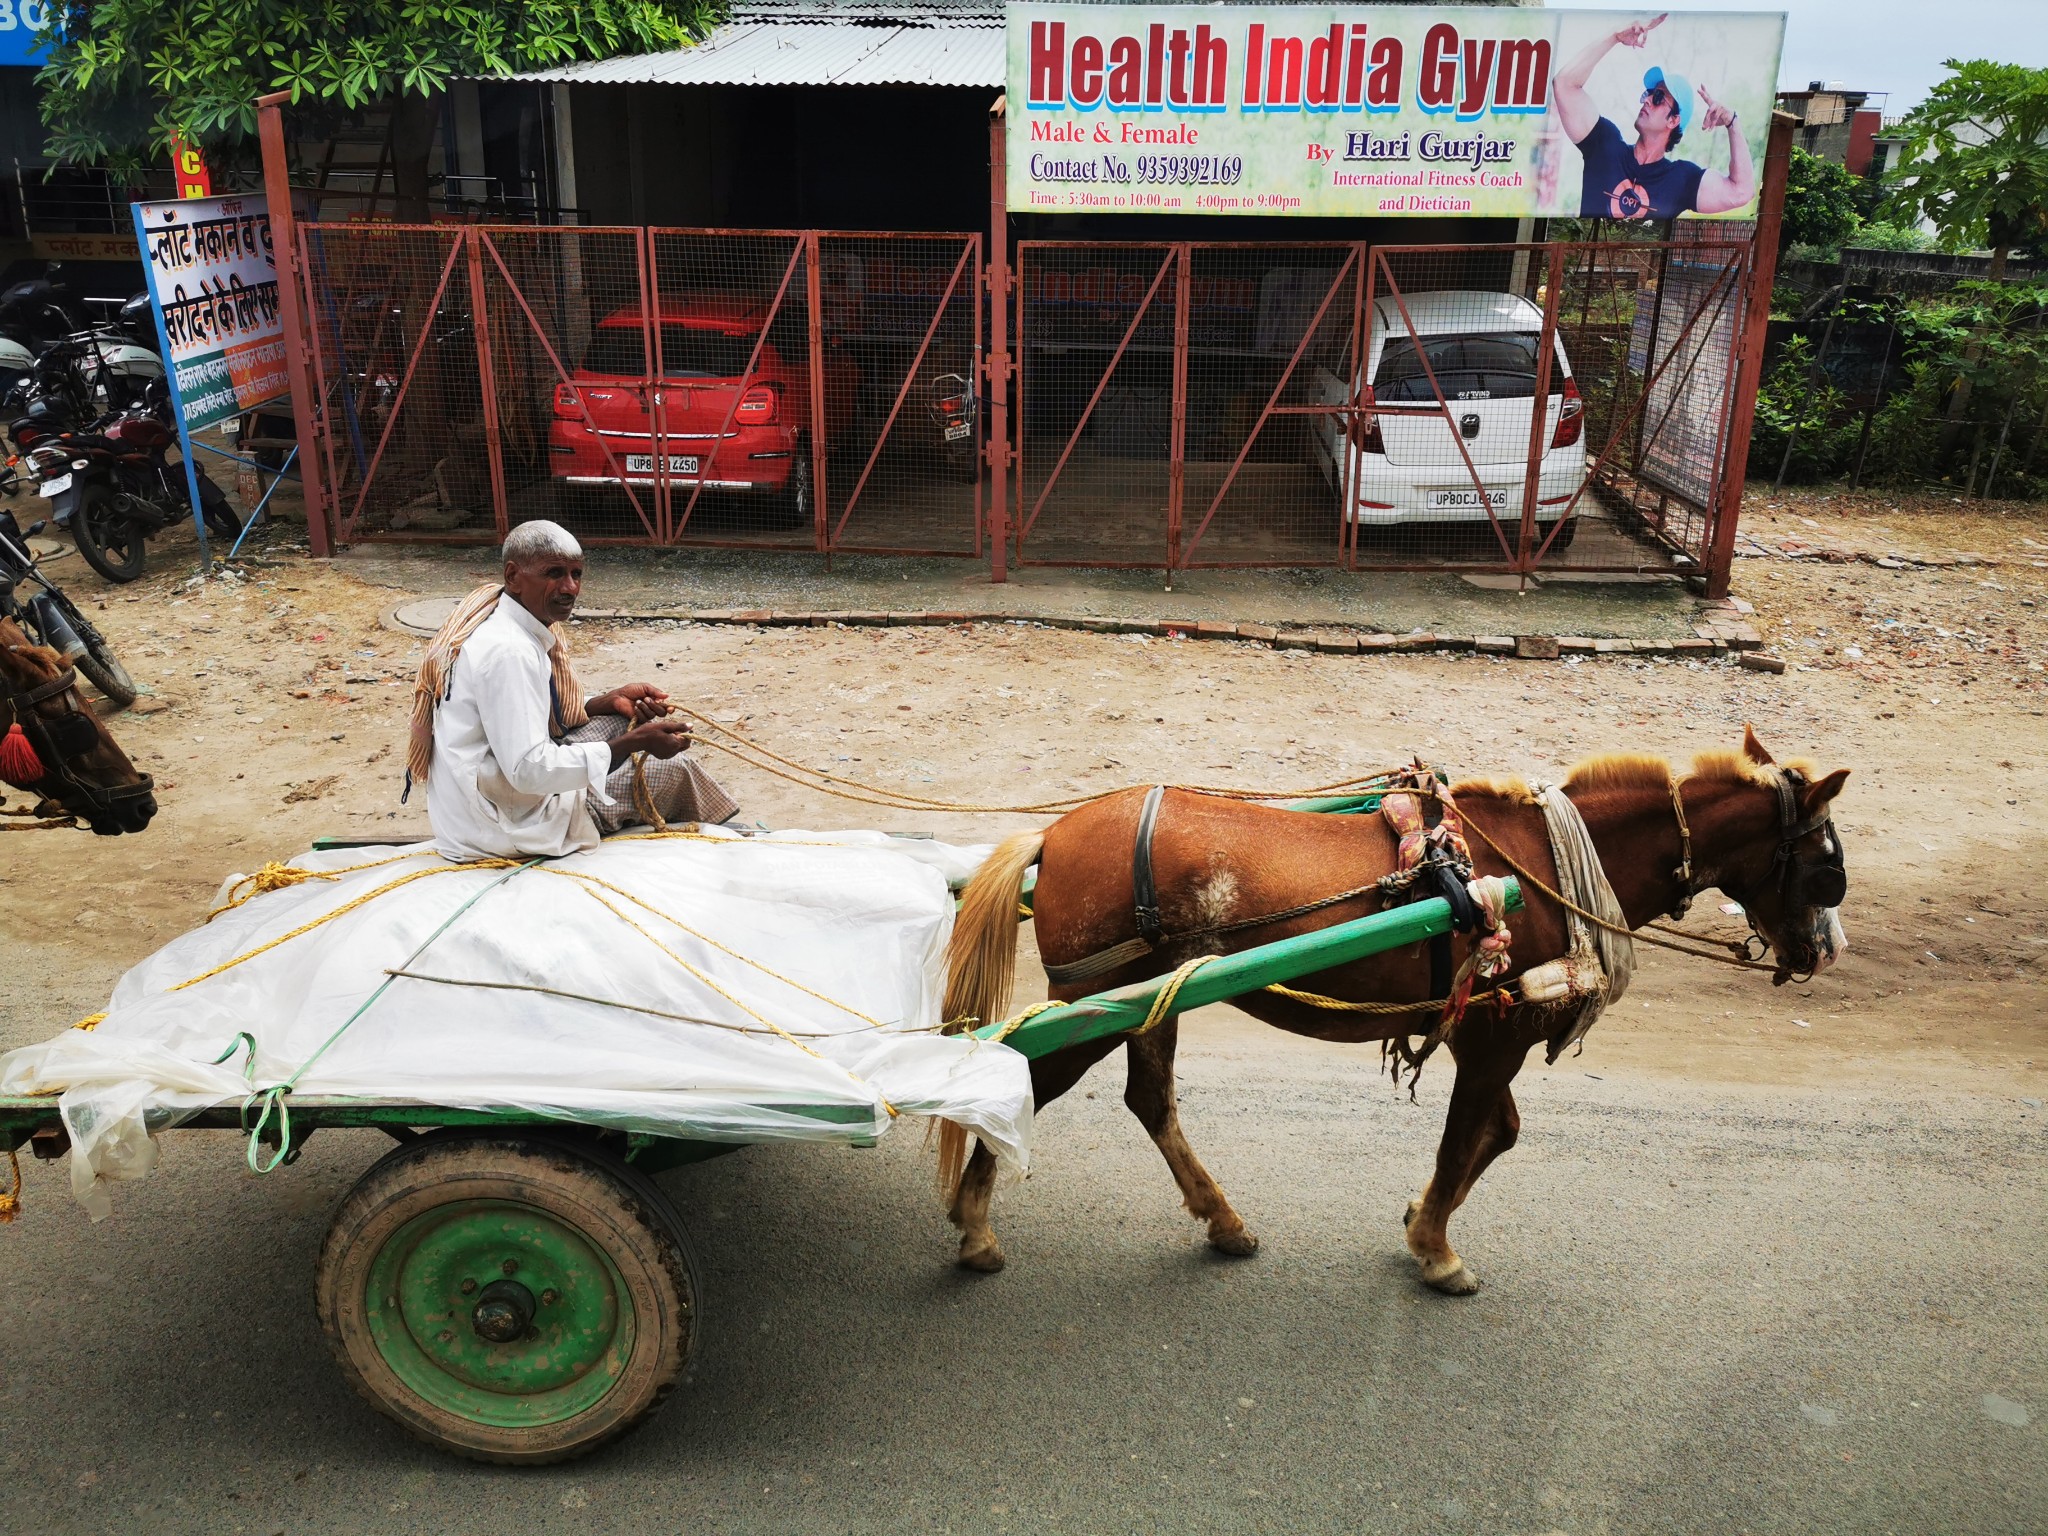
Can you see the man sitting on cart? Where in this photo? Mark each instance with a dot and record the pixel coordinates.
(517, 763)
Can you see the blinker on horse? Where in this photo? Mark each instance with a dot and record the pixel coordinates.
(1225, 875)
(63, 753)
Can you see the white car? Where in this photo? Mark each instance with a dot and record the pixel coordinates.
(1406, 466)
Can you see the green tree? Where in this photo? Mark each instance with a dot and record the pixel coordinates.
(1975, 162)
(1820, 203)
(124, 75)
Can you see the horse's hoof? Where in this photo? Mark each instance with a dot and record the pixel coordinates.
(985, 1260)
(1239, 1244)
(1456, 1280)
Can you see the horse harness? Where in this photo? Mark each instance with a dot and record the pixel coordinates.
(1434, 856)
(56, 742)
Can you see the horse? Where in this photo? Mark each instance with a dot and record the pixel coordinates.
(64, 754)
(1229, 874)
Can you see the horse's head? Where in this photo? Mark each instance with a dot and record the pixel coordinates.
(1777, 852)
(71, 759)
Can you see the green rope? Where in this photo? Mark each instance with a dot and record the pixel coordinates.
(273, 1098)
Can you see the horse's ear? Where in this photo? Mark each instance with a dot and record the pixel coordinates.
(1822, 791)
(1752, 748)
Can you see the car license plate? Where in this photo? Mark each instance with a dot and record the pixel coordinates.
(643, 464)
(958, 429)
(55, 487)
(1468, 498)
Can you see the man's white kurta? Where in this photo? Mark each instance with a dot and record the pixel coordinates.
(501, 786)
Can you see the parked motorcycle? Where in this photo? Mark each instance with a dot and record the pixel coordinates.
(112, 483)
(955, 410)
(113, 363)
(51, 618)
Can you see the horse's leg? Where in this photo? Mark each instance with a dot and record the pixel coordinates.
(1051, 1076)
(1482, 1124)
(1149, 1093)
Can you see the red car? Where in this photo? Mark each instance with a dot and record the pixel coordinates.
(705, 345)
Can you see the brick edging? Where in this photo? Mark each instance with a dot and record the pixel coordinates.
(1715, 635)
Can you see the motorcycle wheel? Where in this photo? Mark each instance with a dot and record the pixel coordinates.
(99, 664)
(219, 513)
(112, 544)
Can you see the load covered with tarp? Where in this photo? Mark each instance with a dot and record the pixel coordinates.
(698, 985)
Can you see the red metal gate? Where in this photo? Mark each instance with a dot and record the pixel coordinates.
(764, 389)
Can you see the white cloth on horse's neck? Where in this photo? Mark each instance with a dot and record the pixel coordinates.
(1606, 959)
(502, 786)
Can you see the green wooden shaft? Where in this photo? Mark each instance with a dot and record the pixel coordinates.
(1115, 1013)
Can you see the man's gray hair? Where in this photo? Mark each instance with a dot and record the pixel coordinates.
(540, 540)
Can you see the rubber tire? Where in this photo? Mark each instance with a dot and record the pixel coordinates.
(218, 511)
(99, 664)
(1565, 535)
(796, 500)
(614, 1205)
(85, 523)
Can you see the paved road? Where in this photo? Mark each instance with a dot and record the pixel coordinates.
(1705, 1310)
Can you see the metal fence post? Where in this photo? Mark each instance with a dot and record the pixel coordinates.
(486, 378)
(820, 425)
(1177, 439)
(1763, 271)
(999, 347)
(284, 247)
(1540, 426)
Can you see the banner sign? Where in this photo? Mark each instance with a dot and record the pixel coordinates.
(213, 280)
(1388, 110)
(188, 169)
(20, 21)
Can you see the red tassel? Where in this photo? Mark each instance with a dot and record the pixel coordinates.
(19, 764)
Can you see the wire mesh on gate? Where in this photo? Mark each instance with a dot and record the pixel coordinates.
(1526, 408)
(565, 345)
(1268, 363)
(1100, 338)
(900, 322)
(392, 316)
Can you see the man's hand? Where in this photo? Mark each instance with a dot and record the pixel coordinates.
(1636, 33)
(657, 738)
(1717, 116)
(638, 702)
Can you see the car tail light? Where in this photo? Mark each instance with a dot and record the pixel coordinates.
(757, 406)
(1365, 430)
(568, 405)
(1571, 417)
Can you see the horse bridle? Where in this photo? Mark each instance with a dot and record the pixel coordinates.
(1803, 879)
(56, 742)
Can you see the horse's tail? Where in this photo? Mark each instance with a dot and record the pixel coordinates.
(981, 964)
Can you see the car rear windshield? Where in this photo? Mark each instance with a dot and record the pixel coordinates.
(1483, 365)
(686, 353)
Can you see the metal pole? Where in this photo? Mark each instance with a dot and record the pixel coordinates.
(1827, 338)
(1540, 426)
(284, 245)
(487, 379)
(1763, 270)
(999, 347)
(814, 321)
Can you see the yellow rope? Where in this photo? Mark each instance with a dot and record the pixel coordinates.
(1341, 1005)
(345, 907)
(10, 1203)
(1011, 1026)
(90, 1022)
(747, 750)
(705, 938)
(715, 987)
(277, 877)
(1162, 1005)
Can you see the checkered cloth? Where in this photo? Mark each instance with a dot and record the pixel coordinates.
(680, 790)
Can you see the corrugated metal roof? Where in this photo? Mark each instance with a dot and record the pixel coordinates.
(812, 52)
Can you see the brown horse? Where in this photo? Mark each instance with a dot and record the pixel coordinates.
(78, 768)
(1738, 822)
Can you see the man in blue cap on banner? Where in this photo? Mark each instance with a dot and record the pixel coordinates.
(1643, 181)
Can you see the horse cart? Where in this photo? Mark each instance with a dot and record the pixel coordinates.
(518, 1289)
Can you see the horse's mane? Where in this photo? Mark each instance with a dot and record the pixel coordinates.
(1633, 770)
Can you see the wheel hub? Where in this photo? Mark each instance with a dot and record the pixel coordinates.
(503, 1312)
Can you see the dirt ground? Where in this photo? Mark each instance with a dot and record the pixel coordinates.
(276, 708)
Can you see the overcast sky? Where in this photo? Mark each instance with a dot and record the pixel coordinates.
(1886, 45)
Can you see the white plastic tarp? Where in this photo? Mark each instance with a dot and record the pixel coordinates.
(784, 987)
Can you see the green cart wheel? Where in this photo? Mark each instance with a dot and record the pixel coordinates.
(514, 1299)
